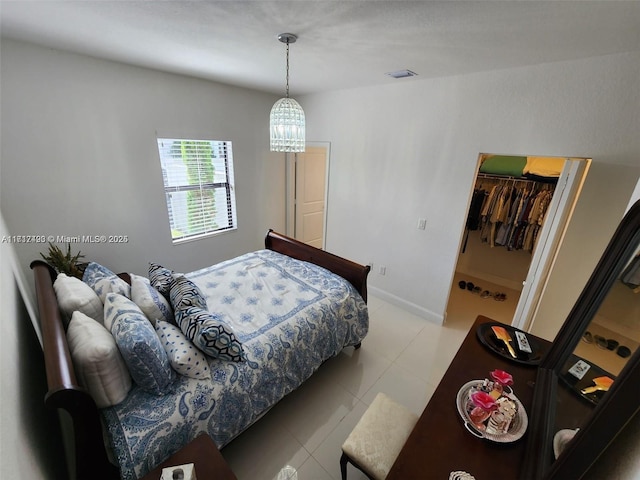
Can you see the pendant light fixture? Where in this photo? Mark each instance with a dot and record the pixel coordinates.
(287, 125)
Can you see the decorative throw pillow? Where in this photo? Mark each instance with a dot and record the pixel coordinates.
(185, 359)
(104, 281)
(151, 302)
(184, 294)
(160, 278)
(116, 305)
(98, 363)
(141, 349)
(210, 335)
(73, 294)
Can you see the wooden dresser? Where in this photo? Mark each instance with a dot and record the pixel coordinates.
(440, 444)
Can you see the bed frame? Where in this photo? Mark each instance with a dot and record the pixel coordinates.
(64, 392)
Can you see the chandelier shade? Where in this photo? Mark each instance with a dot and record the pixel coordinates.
(286, 121)
(287, 126)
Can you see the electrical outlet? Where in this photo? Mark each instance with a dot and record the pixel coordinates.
(382, 270)
(422, 223)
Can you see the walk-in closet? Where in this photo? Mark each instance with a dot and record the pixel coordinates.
(510, 202)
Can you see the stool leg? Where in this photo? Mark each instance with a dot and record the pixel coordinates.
(343, 466)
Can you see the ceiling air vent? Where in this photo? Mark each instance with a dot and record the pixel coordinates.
(402, 74)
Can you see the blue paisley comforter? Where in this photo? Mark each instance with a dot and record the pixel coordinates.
(290, 315)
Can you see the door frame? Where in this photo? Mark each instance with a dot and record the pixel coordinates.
(550, 238)
(572, 178)
(290, 190)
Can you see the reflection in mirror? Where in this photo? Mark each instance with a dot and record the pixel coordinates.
(611, 338)
(614, 333)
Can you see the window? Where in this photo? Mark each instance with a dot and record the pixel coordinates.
(198, 183)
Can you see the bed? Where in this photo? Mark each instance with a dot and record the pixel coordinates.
(281, 349)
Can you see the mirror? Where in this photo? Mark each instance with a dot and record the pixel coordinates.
(611, 338)
(589, 347)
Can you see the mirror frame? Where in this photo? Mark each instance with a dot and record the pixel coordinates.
(622, 400)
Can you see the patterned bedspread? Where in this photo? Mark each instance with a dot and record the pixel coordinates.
(290, 315)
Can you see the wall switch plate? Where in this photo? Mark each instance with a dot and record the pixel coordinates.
(422, 223)
(382, 270)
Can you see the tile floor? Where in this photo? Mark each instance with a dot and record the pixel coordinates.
(403, 355)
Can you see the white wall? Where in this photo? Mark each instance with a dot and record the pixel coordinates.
(409, 150)
(79, 156)
(635, 196)
(26, 427)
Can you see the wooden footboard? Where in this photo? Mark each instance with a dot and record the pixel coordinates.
(64, 392)
(355, 273)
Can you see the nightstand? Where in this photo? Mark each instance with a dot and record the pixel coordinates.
(207, 459)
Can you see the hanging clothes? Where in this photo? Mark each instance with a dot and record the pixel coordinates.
(512, 212)
(473, 217)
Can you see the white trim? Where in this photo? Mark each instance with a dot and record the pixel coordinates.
(422, 312)
(549, 240)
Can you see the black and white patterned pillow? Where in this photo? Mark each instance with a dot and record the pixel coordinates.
(212, 336)
(160, 278)
(184, 293)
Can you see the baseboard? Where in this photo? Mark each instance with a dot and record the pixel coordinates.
(422, 312)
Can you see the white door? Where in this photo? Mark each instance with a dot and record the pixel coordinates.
(558, 214)
(309, 199)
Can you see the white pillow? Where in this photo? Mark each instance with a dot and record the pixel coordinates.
(99, 365)
(184, 357)
(73, 294)
(151, 302)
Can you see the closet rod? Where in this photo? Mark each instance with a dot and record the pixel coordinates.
(494, 176)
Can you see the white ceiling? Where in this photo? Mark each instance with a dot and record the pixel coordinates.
(341, 44)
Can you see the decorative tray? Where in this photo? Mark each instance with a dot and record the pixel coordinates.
(518, 425)
(488, 338)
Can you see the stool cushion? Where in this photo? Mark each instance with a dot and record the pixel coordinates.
(376, 441)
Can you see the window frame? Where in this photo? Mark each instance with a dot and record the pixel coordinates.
(167, 156)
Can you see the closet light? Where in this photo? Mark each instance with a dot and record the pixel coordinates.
(287, 122)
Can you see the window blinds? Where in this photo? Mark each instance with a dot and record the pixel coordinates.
(198, 183)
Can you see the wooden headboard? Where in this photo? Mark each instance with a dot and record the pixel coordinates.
(64, 392)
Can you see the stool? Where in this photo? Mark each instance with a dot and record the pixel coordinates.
(376, 441)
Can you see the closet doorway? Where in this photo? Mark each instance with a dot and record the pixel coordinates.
(516, 221)
(307, 189)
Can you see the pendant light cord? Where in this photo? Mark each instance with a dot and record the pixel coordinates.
(287, 68)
